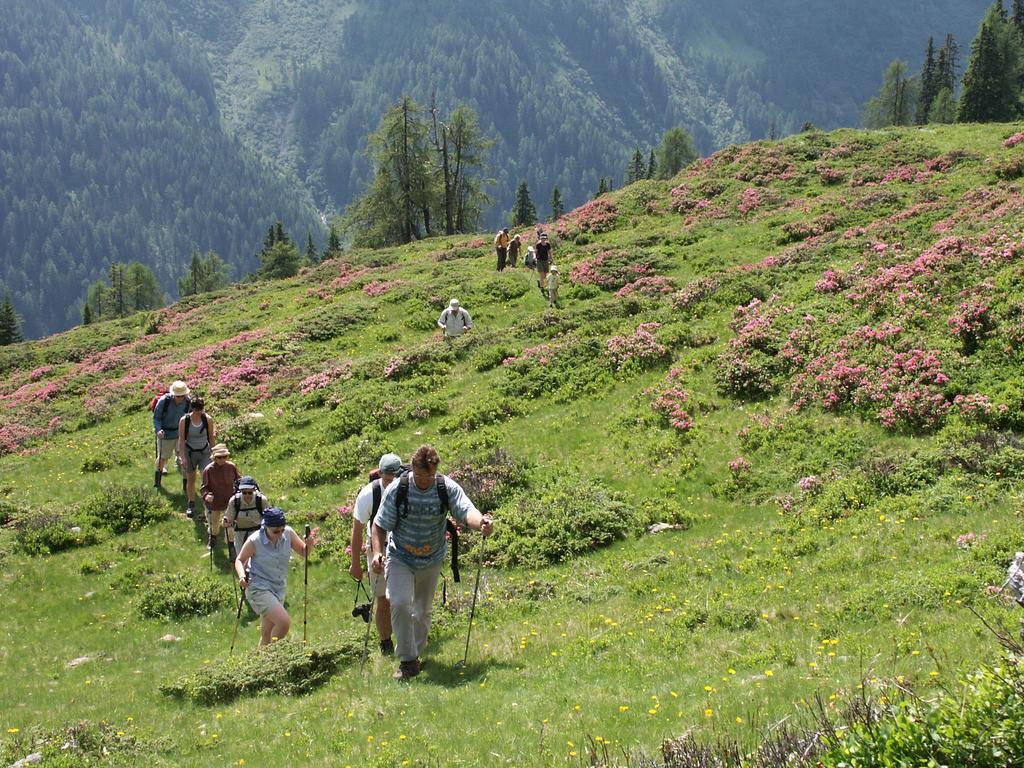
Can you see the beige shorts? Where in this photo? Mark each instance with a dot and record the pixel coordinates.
(378, 584)
(262, 600)
(166, 448)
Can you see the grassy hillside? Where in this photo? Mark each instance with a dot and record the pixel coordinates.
(803, 355)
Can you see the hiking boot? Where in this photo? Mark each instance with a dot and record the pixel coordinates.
(156, 479)
(407, 670)
(387, 647)
(191, 510)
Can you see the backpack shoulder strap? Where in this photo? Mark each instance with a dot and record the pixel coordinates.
(402, 495)
(442, 493)
(206, 424)
(238, 504)
(259, 502)
(378, 492)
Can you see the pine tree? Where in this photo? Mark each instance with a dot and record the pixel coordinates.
(895, 102)
(980, 99)
(652, 166)
(943, 109)
(524, 212)
(946, 64)
(86, 315)
(1000, 10)
(675, 152)
(601, 187)
(333, 243)
(929, 85)
(204, 274)
(311, 255)
(283, 260)
(10, 323)
(557, 206)
(1018, 15)
(635, 170)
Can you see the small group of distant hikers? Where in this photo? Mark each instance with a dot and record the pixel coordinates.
(400, 522)
(538, 256)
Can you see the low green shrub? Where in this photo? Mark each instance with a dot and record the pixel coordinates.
(492, 356)
(123, 508)
(491, 480)
(95, 464)
(661, 510)
(568, 518)
(83, 744)
(9, 512)
(183, 595)
(494, 411)
(329, 322)
(342, 461)
(976, 724)
(287, 668)
(45, 532)
(249, 430)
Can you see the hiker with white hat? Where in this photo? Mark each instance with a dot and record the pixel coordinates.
(501, 241)
(218, 484)
(367, 504)
(454, 320)
(553, 286)
(167, 414)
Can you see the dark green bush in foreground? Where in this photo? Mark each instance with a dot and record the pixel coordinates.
(286, 667)
(45, 532)
(123, 508)
(83, 744)
(182, 595)
(560, 522)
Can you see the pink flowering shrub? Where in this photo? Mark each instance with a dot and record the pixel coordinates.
(326, 378)
(829, 175)
(801, 230)
(654, 286)
(970, 323)
(809, 485)
(969, 539)
(672, 402)
(755, 198)
(611, 270)
(902, 389)
(594, 217)
(739, 467)
(639, 350)
(1014, 140)
(761, 164)
(380, 287)
(751, 362)
(832, 281)
(695, 292)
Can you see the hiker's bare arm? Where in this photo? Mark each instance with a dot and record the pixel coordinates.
(480, 522)
(242, 561)
(379, 539)
(355, 569)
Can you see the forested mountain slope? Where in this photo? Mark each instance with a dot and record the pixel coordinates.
(112, 149)
(568, 88)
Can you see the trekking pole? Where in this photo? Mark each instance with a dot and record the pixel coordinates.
(211, 541)
(366, 637)
(238, 620)
(231, 560)
(305, 585)
(472, 607)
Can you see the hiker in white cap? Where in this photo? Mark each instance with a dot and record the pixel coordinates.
(367, 504)
(167, 414)
(553, 286)
(454, 320)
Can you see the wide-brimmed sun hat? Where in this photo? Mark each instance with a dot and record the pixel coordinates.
(219, 450)
(179, 389)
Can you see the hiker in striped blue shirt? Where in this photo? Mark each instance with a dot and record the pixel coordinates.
(409, 546)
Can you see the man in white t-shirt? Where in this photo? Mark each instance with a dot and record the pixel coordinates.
(367, 503)
(454, 320)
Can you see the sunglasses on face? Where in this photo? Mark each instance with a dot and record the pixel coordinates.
(275, 530)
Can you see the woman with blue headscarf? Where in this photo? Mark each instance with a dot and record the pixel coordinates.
(262, 568)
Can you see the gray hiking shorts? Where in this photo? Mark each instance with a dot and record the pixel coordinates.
(262, 600)
(196, 460)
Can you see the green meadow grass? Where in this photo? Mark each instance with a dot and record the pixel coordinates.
(745, 617)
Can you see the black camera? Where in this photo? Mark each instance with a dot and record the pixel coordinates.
(362, 610)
